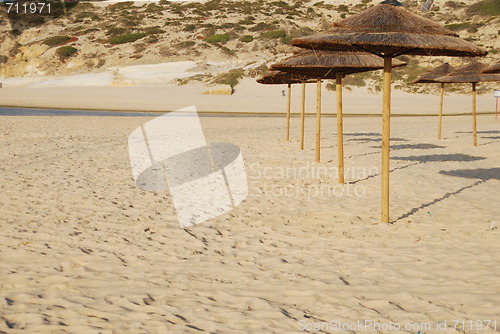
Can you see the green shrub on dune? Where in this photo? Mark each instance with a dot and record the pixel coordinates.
(485, 8)
(217, 38)
(153, 30)
(458, 26)
(114, 31)
(56, 40)
(66, 51)
(126, 38)
(274, 34)
(185, 44)
(343, 8)
(246, 38)
(121, 5)
(471, 27)
(231, 78)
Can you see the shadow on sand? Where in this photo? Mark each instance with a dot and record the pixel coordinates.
(481, 175)
(489, 132)
(368, 139)
(440, 158)
(494, 140)
(422, 159)
(412, 147)
(362, 134)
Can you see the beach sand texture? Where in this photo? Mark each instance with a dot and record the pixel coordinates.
(83, 250)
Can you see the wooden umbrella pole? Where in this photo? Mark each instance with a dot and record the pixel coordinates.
(340, 131)
(386, 137)
(496, 110)
(303, 116)
(474, 124)
(318, 120)
(288, 112)
(441, 112)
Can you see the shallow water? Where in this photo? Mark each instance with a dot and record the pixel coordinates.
(65, 112)
(7, 111)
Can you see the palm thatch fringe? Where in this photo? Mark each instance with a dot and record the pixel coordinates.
(281, 78)
(431, 75)
(390, 30)
(495, 68)
(326, 64)
(470, 73)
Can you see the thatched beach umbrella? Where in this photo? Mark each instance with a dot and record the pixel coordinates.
(332, 65)
(495, 68)
(471, 73)
(429, 77)
(281, 78)
(389, 30)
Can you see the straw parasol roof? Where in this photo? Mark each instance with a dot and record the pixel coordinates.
(470, 73)
(495, 68)
(431, 75)
(331, 65)
(281, 78)
(391, 30)
(326, 64)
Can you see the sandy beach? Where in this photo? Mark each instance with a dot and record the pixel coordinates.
(83, 250)
(104, 202)
(249, 97)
